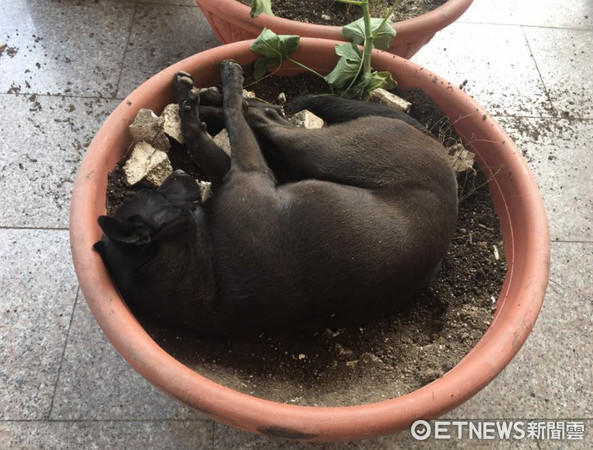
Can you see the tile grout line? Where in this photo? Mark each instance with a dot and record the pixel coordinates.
(216, 424)
(37, 94)
(51, 406)
(32, 228)
(538, 71)
(55, 421)
(546, 117)
(570, 241)
(154, 2)
(549, 27)
(123, 61)
(166, 4)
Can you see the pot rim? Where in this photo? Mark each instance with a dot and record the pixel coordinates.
(523, 222)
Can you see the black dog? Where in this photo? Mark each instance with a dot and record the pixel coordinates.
(361, 219)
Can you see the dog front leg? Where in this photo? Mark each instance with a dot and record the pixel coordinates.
(201, 148)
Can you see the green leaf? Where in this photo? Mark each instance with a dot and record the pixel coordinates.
(354, 31)
(347, 68)
(274, 49)
(383, 34)
(260, 68)
(261, 6)
(359, 89)
(381, 79)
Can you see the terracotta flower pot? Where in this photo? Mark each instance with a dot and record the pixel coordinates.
(518, 204)
(231, 22)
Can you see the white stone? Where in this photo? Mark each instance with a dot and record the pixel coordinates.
(160, 173)
(222, 140)
(326, 17)
(248, 94)
(387, 98)
(306, 119)
(205, 190)
(459, 158)
(282, 98)
(145, 161)
(147, 126)
(172, 122)
(346, 352)
(372, 360)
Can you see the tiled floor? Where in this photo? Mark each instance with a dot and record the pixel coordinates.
(68, 63)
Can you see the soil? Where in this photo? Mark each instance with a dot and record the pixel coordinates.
(330, 12)
(380, 360)
(118, 191)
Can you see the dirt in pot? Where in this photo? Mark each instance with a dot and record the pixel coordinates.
(384, 359)
(330, 12)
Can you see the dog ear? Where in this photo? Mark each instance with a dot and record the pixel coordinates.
(129, 232)
(100, 248)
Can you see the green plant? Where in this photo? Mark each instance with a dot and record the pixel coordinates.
(353, 76)
(261, 6)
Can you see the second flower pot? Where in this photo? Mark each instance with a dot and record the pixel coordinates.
(231, 22)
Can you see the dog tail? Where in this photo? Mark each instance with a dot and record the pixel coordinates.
(338, 110)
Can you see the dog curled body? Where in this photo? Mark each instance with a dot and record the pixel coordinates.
(305, 229)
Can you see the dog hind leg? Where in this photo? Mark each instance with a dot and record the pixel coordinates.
(338, 110)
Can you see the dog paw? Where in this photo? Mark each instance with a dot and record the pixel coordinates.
(232, 85)
(184, 79)
(209, 97)
(230, 70)
(184, 84)
(192, 127)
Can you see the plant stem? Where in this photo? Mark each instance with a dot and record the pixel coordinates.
(389, 13)
(368, 38)
(365, 60)
(351, 2)
(305, 67)
(354, 79)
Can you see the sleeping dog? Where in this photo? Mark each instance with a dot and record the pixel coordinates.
(305, 229)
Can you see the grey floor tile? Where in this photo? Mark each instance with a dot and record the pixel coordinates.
(161, 36)
(162, 434)
(63, 48)
(38, 288)
(494, 65)
(558, 152)
(81, 48)
(548, 13)
(43, 141)
(96, 382)
(551, 376)
(171, 2)
(565, 59)
(569, 298)
(231, 439)
(155, 2)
